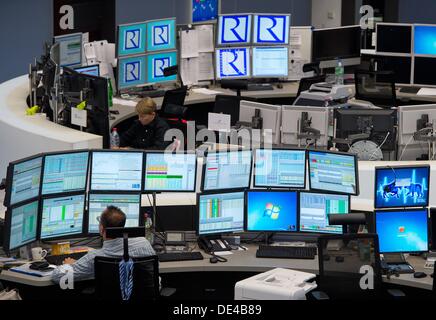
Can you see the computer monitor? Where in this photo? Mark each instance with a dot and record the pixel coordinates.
(62, 217)
(423, 71)
(116, 171)
(401, 66)
(271, 211)
(132, 39)
(270, 62)
(424, 40)
(21, 225)
(130, 204)
(280, 168)
(157, 63)
(315, 209)
(161, 34)
(93, 70)
(205, 10)
(227, 170)
(402, 186)
(220, 213)
(65, 172)
(234, 29)
(132, 72)
(23, 180)
(394, 38)
(70, 49)
(233, 63)
(333, 172)
(170, 172)
(402, 231)
(331, 44)
(271, 28)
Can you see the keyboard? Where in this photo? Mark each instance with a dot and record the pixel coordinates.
(179, 256)
(259, 86)
(151, 93)
(59, 259)
(411, 90)
(286, 252)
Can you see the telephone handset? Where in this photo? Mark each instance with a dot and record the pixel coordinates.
(213, 245)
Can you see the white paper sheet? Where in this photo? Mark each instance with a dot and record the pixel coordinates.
(206, 91)
(218, 122)
(427, 92)
(205, 38)
(189, 71)
(206, 66)
(79, 117)
(189, 44)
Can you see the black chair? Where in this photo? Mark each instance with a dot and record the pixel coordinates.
(305, 83)
(173, 103)
(377, 87)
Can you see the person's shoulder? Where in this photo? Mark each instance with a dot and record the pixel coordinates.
(161, 122)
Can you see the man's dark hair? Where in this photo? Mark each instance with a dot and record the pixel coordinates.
(113, 217)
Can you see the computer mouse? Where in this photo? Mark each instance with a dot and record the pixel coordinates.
(419, 275)
(339, 259)
(213, 260)
(279, 86)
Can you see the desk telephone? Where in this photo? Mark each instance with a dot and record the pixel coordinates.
(213, 245)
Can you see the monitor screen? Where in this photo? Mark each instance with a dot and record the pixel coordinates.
(132, 72)
(270, 62)
(170, 172)
(65, 172)
(205, 10)
(161, 35)
(234, 29)
(394, 38)
(70, 46)
(131, 39)
(273, 211)
(62, 216)
(23, 225)
(271, 28)
(221, 213)
(130, 204)
(402, 231)
(116, 171)
(280, 168)
(424, 71)
(89, 70)
(402, 67)
(227, 170)
(233, 63)
(157, 63)
(26, 180)
(315, 209)
(401, 187)
(335, 172)
(425, 40)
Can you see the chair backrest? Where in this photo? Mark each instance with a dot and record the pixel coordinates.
(342, 258)
(172, 98)
(227, 104)
(145, 278)
(377, 87)
(305, 83)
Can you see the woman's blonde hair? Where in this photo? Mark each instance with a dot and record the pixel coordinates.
(146, 106)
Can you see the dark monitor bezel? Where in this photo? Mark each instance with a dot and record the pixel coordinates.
(77, 69)
(185, 152)
(297, 215)
(356, 171)
(279, 187)
(401, 167)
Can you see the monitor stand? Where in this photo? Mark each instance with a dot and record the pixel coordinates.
(396, 263)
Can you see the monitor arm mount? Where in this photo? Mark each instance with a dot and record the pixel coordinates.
(305, 131)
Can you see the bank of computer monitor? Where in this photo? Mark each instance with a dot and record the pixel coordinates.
(270, 62)
(424, 40)
(333, 172)
(394, 38)
(62, 216)
(21, 225)
(233, 63)
(271, 211)
(93, 70)
(116, 171)
(170, 172)
(70, 49)
(132, 39)
(205, 10)
(271, 29)
(401, 66)
(424, 71)
(315, 208)
(156, 65)
(161, 34)
(280, 168)
(227, 170)
(130, 204)
(402, 231)
(220, 212)
(65, 172)
(132, 72)
(23, 180)
(402, 186)
(234, 29)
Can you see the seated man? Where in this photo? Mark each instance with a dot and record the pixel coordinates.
(148, 131)
(83, 268)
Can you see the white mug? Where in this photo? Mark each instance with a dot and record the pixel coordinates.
(38, 253)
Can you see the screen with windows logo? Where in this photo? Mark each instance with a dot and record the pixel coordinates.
(157, 63)
(161, 35)
(131, 39)
(233, 63)
(132, 72)
(271, 29)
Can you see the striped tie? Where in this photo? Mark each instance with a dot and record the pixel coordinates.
(126, 278)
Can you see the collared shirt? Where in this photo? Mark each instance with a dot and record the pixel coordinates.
(84, 267)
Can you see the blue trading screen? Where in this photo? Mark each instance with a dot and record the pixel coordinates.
(425, 40)
(234, 29)
(161, 35)
(157, 63)
(23, 225)
(402, 230)
(132, 39)
(280, 168)
(271, 211)
(26, 180)
(233, 63)
(204, 10)
(402, 187)
(333, 172)
(271, 29)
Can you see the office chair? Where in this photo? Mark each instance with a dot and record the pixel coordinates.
(377, 87)
(173, 103)
(305, 83)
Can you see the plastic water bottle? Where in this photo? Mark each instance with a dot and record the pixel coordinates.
(339, 73)
(148, 228)
(110, 92)
(115, 138)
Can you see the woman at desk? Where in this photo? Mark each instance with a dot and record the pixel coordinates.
(148, 131)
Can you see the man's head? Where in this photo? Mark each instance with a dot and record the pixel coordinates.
(112, 217)
(146, 110)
